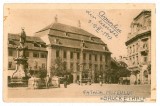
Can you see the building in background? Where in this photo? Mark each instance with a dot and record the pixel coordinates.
(139, 48)
(36, 53)
(123, 59)
(79, 49)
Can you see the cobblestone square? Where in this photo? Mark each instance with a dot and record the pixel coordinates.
(81, 91)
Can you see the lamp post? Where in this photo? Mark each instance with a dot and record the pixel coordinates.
(81, 61)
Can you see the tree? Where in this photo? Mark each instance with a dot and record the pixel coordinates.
(59, 68)
(39, 73)
(114, 74)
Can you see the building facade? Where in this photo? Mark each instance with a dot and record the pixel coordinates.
(36, 53)
(139, 48)
(79, 49)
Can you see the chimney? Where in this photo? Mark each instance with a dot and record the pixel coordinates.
(56, 19)
(79, 23)
(120, 57)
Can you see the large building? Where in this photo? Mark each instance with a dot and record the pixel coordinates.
(139, 48)
(36, 53)
(79, 49)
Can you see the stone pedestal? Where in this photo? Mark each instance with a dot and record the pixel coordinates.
(20, 71)
(19, 76)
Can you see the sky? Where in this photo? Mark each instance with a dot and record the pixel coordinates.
(35, 19)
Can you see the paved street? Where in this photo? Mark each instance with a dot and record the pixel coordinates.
(78, 91)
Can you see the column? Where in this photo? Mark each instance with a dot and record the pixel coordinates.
(98, 62)
(103, 66)
(68, 59)
(93, 68)
(81, 65)
(49, 59)
(87, 60)
(74, 67)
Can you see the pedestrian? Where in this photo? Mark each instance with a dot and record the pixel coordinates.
(47, 81)
(65, 81)
(100, 80)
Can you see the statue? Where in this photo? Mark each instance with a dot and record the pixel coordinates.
(20, 73)
(23, 36)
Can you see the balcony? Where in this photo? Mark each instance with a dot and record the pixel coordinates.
(140, 31)
(144, 51)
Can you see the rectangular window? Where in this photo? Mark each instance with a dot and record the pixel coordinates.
(133, 49)
(95, 57)
(90, 56)
(137, 47)
(137, 60)
(90, 66)
(65, 65)
(145, 59)
(130, 61)
(78, 67)
(96, 67)
(9, 64)
(71, 66)
(43, 65)
(106, 66)
(100, 57)
(11, 42)
(71, 55)
(43, 55)
(78, 56)
(84, 56)
(101, 67)
(84, 66)
(105, 58)
(35, 54)
(133, 61)
(10, 52)
(64, 54)
(26, 54)
(57, 53)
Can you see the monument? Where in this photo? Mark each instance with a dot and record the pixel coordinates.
(19, 75)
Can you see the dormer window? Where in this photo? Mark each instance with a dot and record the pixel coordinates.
(91, 38)
(36, 45)
(82, 43)
(104, 48)
(56, 41)
(43, 45)
(11, 42)
(67, 35)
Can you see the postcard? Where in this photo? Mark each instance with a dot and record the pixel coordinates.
(79, 53)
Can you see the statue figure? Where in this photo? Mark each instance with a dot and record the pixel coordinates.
(23, 36)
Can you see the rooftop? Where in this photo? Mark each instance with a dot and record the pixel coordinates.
(141, 13)
(13, 40)
(66, 28)
(28, 38)
(69, 36)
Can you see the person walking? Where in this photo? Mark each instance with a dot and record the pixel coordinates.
(47, 81)
(65, 81)
(100, 80)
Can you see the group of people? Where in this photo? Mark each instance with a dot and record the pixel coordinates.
(65, 81)
(48, 81)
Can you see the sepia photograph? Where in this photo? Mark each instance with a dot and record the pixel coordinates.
(79, 53)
